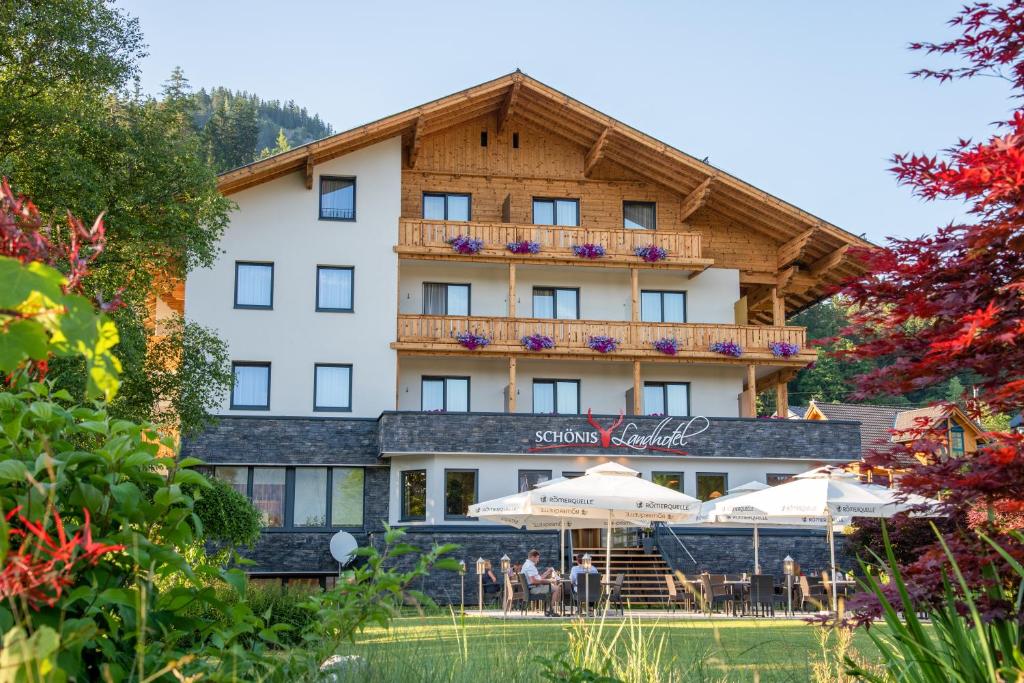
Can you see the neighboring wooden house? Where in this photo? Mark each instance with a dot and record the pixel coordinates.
(879, 422)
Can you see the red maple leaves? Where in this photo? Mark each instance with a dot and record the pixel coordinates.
(42, 567)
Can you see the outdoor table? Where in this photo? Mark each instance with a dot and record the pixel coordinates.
(566, 593)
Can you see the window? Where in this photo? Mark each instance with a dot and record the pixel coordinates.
(556, 211)
(956, 440)
(337, 198)
(639, 215)
(446, 206)
(414, 495)
(556, 302)
(332, 387)
(347, 496)
(309, 504)
(334, 288)
(561, 396)
(440, 298)
(251, 387)
(235, 477)
(662, 307)
(254, 285)
(709, 483)
(776, 479)
(459, 492)
(667, 398)
(528, 479)
(268, 494)
(672, 480)
(448, 394)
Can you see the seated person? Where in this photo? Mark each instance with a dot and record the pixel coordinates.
(577, 569)
(490, 581)
(542, 584)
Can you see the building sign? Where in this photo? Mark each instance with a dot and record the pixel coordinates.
(670, 435)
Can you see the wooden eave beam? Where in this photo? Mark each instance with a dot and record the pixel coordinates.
(596, 152)
(309, 171)
(508, 105)
(778, 377)
(758, 296)
(828, 262)
(793, 250)
(417, 142)
(556, 127)
(696, 199)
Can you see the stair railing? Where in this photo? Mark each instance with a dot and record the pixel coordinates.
(681, 544)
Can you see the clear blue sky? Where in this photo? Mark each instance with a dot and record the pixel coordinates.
(807, 100)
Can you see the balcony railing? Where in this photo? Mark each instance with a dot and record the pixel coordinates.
(427, 239)
(436, 334)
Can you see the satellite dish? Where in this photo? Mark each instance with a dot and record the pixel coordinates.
(343, 547)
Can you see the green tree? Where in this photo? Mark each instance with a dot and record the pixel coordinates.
(282, 146)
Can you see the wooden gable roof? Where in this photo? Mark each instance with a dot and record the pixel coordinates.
(811, 254)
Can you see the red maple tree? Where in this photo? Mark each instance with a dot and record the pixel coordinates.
(951, 303)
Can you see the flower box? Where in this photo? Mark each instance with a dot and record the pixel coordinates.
(523, 247)
(651, 253)
(603, 344)
(781, 349)
(537, 342)
(590, 251)
(472, 341)
(667, 345)
(727, 348)
(464, 244)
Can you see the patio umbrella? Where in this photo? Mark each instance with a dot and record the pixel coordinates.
(828, 492)
(609, 492)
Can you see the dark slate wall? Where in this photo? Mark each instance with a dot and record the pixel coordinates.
(286, 441)
(722, 438)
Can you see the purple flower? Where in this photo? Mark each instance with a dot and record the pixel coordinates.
(538, 342)
(603, 344)
(472, 341)
(523, 247)
(781, 349)
(651, 253)
(667, 345)
(588, 250)
(727, 348)
(464, 244)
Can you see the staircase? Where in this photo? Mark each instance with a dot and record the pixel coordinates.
(644, 582)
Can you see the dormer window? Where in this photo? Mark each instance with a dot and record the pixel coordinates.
(956, 440)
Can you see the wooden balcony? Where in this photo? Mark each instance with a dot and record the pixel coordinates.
(424, 239)
(435, 335)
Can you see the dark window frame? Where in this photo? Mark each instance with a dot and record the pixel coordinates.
(469, 296)
(554, 301)
(321, 409)
(664, 395)
(324, 309)
(402, 517)
(250, 364)
(519, 474)
(251, 307)
(320, 185)
(554, 382)
(446, 195)
(661, 295)
(675, 473)
(554, 210)
(698, 475)
(289, 497)
(444, 395)
(955, 428)
(638, 201)
(476, 491)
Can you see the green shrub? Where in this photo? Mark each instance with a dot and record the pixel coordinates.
(228, 517)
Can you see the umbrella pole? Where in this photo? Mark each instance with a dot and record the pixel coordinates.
(757, 542)
(561, 543)
(832, 559)
(608, 552)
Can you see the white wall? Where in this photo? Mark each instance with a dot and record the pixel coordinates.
(605, 293)
(603, 384)
(499, 474)
(278, 221)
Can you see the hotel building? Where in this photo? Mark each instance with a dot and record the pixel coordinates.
(352, 264)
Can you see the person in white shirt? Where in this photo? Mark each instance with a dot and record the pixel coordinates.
(542, 583)
(578, 569)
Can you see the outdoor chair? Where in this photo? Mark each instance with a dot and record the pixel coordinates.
(543, 600)
(762, 597)
(715, 591)
(588, 587)
(674, 596)
(615, 593)
(514, 594)
(812, 593)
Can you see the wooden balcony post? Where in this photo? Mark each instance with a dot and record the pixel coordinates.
(782, 399)
(634, 277)
(512, 290)
(638, 390)
(750, 395)
(778, 308)
(512, 384)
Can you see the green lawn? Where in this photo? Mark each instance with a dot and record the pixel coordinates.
(484, 650)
